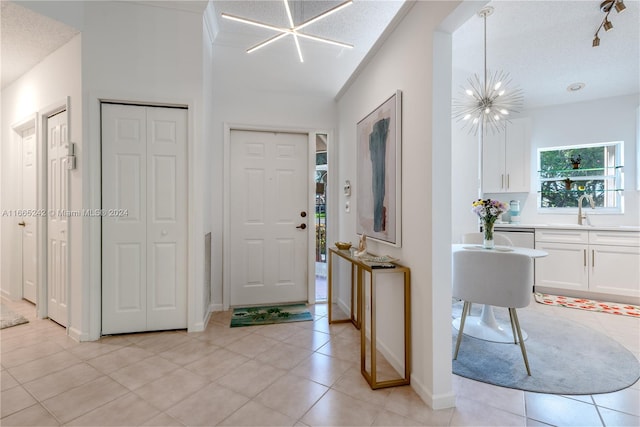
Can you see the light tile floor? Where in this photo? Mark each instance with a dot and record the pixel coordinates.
(291, 374)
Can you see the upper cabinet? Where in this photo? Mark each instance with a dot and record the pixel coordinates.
(506, 159)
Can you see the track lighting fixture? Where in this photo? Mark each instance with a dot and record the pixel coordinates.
(606, 7)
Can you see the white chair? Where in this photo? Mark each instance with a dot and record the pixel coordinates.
(476, 238)
(501, 279)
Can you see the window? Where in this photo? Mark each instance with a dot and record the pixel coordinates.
(566, 173)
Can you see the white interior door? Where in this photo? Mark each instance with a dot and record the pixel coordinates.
(28, 221)
(57, 222)
(269, 222)
(144, 202)
(166, 218)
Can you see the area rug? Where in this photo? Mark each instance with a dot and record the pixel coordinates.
(564, 357)
(9, 318)
(588, 304)
(251, 316)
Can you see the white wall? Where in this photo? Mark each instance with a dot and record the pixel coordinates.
(405, 62)
(602, 120)
(50, 82)
(465, 181)
(208, 78)
(129, 52)
(147, 54)
(240, 104)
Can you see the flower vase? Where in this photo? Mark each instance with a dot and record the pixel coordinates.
(487, 241)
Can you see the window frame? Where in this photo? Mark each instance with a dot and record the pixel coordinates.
(618, 194)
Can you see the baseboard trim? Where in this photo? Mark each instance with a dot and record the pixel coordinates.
(197, 327)
(77, 335)
(442, 401)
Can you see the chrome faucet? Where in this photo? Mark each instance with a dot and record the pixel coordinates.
(592, 203)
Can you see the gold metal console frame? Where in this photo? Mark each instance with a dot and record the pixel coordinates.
(358, 268)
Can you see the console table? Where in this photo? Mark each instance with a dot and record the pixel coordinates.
(365, 296)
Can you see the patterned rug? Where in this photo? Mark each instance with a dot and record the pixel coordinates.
(589, 305)
(9, 318)
(251, 316)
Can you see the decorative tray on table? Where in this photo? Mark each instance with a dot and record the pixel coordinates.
(384, 261)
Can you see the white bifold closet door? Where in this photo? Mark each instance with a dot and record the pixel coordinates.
(144, 218)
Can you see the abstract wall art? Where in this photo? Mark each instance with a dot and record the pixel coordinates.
(379, 162)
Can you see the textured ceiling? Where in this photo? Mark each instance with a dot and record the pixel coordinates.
(546, 46)
(277, 67)
(27, 38)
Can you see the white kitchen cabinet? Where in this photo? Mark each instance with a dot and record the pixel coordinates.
(506, 159)
(615, 265)
(566, 266)
(589, 262)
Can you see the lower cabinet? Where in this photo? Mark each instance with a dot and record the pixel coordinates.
(614, 270)
(598, 262)
(564, 268)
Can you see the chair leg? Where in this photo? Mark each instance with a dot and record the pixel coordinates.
(512, 311)
(513, 328)
(465, 309)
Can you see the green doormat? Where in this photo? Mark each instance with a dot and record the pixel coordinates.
(250, 316)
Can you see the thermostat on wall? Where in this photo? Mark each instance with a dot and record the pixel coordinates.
(71, 157)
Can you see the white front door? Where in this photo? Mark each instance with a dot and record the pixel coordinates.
(269, 220)
(144, 218)
(57, 221)
(28, 221)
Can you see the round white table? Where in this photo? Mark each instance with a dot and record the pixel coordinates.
(486, 326)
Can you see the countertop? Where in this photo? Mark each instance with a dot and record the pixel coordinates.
(525, 226)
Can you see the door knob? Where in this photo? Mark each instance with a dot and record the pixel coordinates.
(303, 214)
(22, 223)
(302, 226)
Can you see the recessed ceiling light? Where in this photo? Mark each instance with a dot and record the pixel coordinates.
(574, 87)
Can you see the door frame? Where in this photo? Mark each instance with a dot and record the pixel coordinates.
(39, 122)
(146, 107)
(42, 305)
(92, 176)
(226, 235)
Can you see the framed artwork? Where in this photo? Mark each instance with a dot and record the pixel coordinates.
(379, 163)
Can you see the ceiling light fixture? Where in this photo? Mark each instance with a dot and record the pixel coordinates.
(292, 30)
(574, 87)
(606, 7)
(488, 103)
